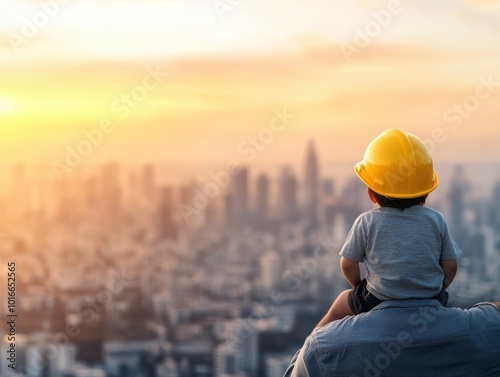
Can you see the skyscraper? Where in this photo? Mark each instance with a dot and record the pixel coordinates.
(494, 209)
(111, 194)
(456, 201)
(229, 210)
(237, 200)
(262, 200)
(288, 196)
(311, 185)
(167, 225)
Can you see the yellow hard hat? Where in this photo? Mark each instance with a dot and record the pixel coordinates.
(397, 164)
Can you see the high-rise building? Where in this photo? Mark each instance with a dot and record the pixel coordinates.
(353, 201)
(288, 207)
(111, 194)
(457, 202)
(186, 195)
(65, 212)
(328, 187)
(229, 210)
(186, 209)
(271, 270)
(26, 359)
(311, 187)
(239, 356)
(276, 364)
(494, 208)
(134, 196)
(5, 361)
(168, 229)
(168, 368)
(227, 361)
(62, 363)
(329, 203)
(91, 199)
(262, 200)
(237, 200)
(40, 198)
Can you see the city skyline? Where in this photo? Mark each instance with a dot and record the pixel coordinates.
(231, 290)
(483, 175)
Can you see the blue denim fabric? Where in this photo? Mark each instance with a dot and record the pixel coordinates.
(405, 338)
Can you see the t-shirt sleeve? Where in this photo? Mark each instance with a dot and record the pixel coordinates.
(355, 243)
(449, 248)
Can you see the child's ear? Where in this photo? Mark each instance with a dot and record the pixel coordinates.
(371, 195)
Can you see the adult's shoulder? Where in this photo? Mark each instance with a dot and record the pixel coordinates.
(486, 313)
(483, 317)
(411, 317)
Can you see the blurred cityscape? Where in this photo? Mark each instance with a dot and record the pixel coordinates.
(118, 275)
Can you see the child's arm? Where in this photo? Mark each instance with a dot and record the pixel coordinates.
(351, 271)
(450, 270)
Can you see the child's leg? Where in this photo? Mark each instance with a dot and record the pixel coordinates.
(338, 310)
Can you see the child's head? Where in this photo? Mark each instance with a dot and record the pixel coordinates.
(397, 168)
(402, 204)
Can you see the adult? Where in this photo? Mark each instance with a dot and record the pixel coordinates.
(415, 337)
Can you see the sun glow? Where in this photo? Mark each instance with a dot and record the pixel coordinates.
(5, 107)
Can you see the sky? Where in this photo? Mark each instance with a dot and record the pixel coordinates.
(191, 81)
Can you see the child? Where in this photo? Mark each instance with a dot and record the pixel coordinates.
(407, 248)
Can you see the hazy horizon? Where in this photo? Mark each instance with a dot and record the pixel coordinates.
(482, 175)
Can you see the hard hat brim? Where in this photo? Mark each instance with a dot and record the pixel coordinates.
(380, 187)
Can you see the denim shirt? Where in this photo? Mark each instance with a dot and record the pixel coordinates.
(405, 338)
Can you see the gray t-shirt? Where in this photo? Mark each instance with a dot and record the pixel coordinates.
(401, 251)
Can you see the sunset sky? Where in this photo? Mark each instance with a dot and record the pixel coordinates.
(230, 70)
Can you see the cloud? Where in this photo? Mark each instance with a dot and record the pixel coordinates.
(211, 100)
